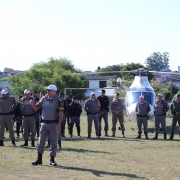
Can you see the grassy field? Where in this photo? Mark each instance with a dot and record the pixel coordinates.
(104, 158)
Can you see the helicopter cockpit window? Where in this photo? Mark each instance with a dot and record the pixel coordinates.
(133, 97)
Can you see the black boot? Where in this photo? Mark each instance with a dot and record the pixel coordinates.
(13, 143)
(156, 136)
(123, 136)
(113, 134)
(165, 137)
(139, 136)
(171, 138)
(32, 143)
(25, 143)
(78, 129)
(70, 130)
(52, 162)
(17, 131)
(38, 161)
(59, 144)
(146, 136)
(106, 133)
(99, 133)
(89, 135)
(1, 143)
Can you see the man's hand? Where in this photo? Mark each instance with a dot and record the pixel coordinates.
(58, 128)
(31, 102)
(117, 112)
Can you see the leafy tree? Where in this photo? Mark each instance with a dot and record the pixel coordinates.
(60, 72)
(157, 61)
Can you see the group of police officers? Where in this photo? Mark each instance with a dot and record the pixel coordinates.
(54, 110)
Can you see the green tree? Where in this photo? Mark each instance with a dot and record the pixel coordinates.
(60, 72)
(157, 61)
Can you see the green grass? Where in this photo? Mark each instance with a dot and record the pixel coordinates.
(104, 158)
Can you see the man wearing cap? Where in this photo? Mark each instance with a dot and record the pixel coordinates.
(7, 105)
(92, 107)
(74, 110)
(175, 110)
(160, 109)
(28, 118)
(117, 106)
(142, 110)
(103, 113)
(52, 116)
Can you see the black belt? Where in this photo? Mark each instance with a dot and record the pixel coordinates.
(6, 113)
(28, 115)
(141, 115)
(160, 115)
(93, 113)
(49, 121)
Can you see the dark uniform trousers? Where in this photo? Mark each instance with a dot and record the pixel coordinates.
(103, 114)
(28, 124)
(142, 121)
(176, 118)
(48, 129)
(119, 117)
(92, 117)
(6, 120)
(162, 120)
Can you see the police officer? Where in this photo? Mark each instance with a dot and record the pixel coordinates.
(142, 110)
(66, 118)
(28, 118)
(52, 116)
(74, 110)
(18, 116)
(103, 113)
(37, 114)
(117, 106)
(160, 109)
(92, 107)
(7, 104)
(175, 110)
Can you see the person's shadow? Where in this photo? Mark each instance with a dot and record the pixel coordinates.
(98, 173)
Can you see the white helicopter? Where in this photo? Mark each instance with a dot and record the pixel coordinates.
(140, 86)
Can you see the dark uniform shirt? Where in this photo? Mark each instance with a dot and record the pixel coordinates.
(104, 102)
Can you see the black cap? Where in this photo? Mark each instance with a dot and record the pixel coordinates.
(67, 93)
(35, 91)
(178, 95)
(103, 91)
(117, 94)
(61, 94)
(74, 97)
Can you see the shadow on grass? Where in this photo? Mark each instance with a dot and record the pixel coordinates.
(168, 128)
(99, 173)
(84, 151)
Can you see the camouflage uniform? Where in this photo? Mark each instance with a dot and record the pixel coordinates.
(117, 106)
(175, 107)
(160, 109)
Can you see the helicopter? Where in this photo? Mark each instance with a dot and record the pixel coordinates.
(140, 86)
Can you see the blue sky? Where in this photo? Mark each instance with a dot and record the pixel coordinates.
(90, 33)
